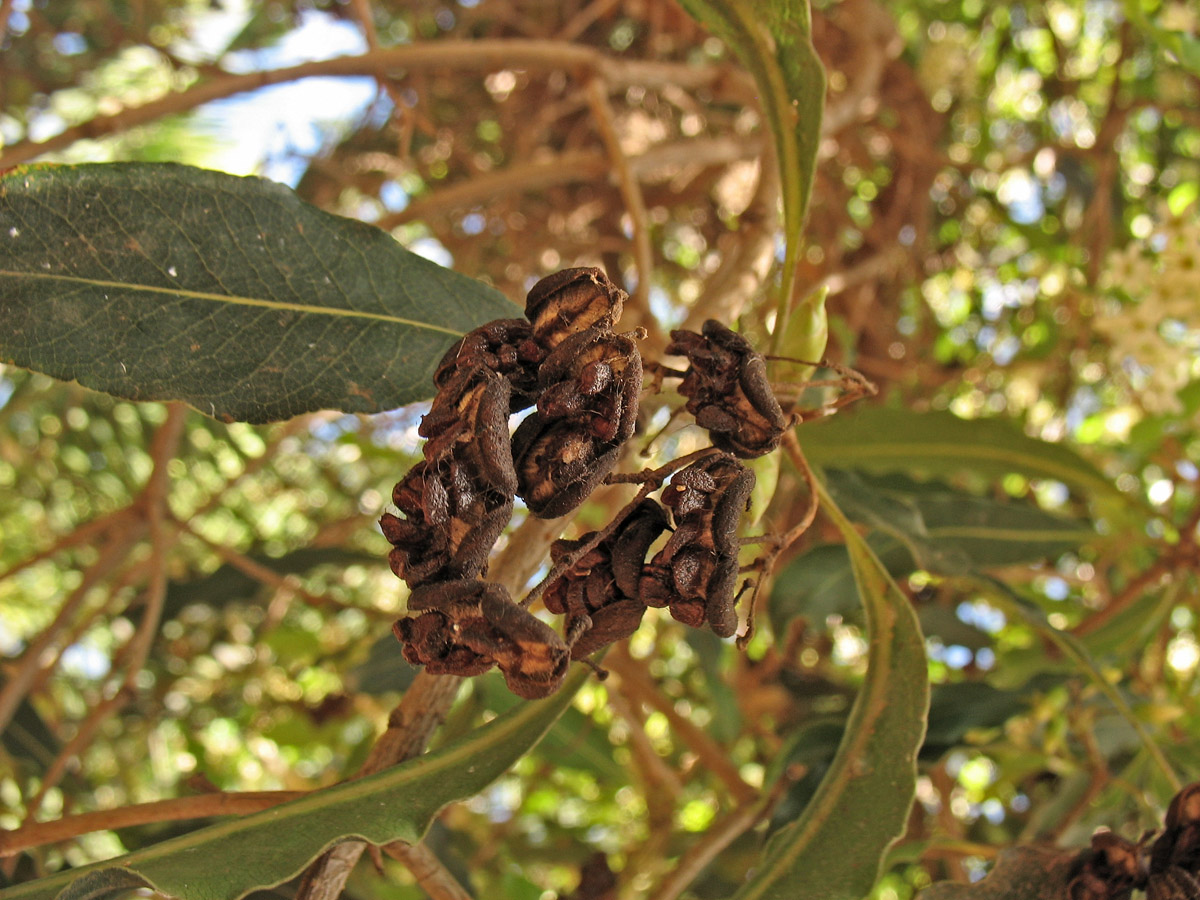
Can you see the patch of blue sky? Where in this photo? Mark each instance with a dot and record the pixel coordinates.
(275, 127)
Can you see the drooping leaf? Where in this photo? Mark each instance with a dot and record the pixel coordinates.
(951, 531)
(766, 479)
(957, 708)
(574, 741)
(227, 861)
(862, 804)
(229, 584)
(773, 39)
(820, 582)
(877, 439)
(383, 670)
(1020, 873)
(166, 282)
(28, 738)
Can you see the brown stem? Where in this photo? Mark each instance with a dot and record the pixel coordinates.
(268, 576)
(86, 533)
(719, 835)
(792, 447)
(29, 665)
(639, 685)
(83, 736)
(423, 708)
(433, 877)
(152, 502)
(233, 804)
(631, 194)
(481, 55)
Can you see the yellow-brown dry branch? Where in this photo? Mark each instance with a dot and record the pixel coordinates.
(41, 834)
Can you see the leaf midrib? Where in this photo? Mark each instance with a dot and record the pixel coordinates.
(233, 299)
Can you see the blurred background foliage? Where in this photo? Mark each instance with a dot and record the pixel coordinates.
(1005, 217)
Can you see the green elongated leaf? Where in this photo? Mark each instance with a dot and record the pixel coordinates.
(950, 531)
(28, 738)
(229, 584)
(820, 582)
(381, 672)
(877, 439)
(834, 850)
(773, 39)
(166, 282)
(766, 479)
(227, 861)
(958, 707)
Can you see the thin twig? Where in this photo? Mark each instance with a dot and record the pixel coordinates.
(81, 534)
(162, 451)
(202, 806)
(6, 7)
(97, 715)
(433, 877)
(767, 564)
(29, 665)
(152, 502)
(423, 708)
(719, 835)
(636, 681)
(631, 195)
(661, 783)
(268, 576)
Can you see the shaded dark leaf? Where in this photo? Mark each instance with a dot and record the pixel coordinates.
(820, 582)
(951, 532)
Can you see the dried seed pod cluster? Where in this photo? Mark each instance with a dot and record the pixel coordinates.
(727, 390)
(695, 574)
(1167, 869)
(455, 503)
(601, 594)
(584, 382)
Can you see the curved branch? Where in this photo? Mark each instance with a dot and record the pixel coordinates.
(480, 55)
(198, 807)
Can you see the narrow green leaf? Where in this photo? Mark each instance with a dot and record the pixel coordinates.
(950, 531)
(227, 861)
(959, 707)
(834, 850)
(166, 282)
(228, 584)
(28, 738)
(820, 582)
(766, 479)
(773, 39)
(877, 439)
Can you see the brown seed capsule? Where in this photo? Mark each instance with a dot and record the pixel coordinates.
(572, 301)
(468, 422)
(727, 390)
(450, 525)
(599, 594)
(587, 409)
(506, 347)
(482, 623)
(695, 573)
